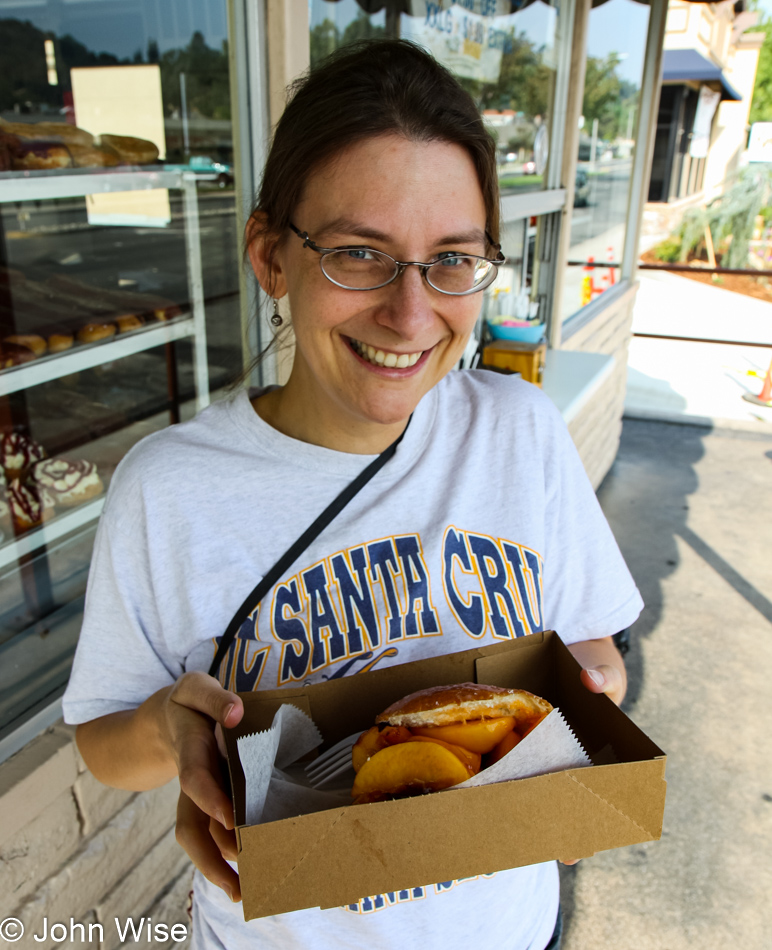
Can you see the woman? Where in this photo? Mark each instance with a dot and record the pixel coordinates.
(378, 219)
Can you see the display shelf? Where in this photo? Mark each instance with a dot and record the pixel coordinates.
(63, 524)
(88, 355)
(77, 183)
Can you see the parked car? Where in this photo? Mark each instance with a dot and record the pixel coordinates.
(529, 168)
(207, 169)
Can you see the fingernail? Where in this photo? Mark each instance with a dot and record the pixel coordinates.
(228, 711)
(221, 818)
(597, 677)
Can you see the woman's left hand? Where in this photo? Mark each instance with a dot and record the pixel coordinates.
(603, 671)
(603, 667)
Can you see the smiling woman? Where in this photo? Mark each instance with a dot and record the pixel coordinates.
(378, 219)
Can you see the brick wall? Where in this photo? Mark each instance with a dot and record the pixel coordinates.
(597, 427)
(71, 848)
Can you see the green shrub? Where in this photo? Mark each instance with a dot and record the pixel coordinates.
(668, 251)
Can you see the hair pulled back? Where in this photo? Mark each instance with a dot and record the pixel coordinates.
(371, 88)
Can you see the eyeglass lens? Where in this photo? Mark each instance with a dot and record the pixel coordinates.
(366, 269)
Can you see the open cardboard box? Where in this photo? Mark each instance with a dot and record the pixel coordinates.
(336, 857)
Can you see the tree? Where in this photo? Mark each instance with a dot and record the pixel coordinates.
(761, 105)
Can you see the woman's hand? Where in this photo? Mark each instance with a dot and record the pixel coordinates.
(603, 667)
(173, 733)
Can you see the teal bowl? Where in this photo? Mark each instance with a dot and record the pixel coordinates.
(532, 334)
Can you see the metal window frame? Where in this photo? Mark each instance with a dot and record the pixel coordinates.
(247, 39)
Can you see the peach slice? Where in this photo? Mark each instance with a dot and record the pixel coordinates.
(508, 743)
(479, 735)
(374, 740)
(470, 759)
(409, 766)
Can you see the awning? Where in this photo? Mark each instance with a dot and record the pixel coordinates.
(683, 65)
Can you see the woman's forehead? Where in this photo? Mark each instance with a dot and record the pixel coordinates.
(375, 183)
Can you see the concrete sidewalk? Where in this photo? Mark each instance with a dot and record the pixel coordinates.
(693, 381)
(692, 509)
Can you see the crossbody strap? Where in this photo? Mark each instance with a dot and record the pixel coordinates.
(295, 550)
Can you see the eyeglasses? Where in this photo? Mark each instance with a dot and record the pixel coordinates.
(355, 267)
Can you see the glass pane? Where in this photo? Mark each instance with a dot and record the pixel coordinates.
(615, 48)
(504, 53)
(98, 302)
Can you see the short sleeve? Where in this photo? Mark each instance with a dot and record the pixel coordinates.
(120, 659)
(589, 591)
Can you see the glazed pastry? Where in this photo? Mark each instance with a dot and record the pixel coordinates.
(40, 156)
(14, 355)
(58, 342)
(132, 150)
(96, 331)
(48, 132)
(18, 453)
(94, 156)
(129, 321)
(30, 505)
(31, 340)
(68, 483)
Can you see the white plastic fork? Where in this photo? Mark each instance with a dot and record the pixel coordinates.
(331, 763)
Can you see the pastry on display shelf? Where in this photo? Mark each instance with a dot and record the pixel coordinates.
(93, 332)
(68, 483)
(61, 132)
(125, 301)
(59, 342)
(18, 453)
(30, 505)
(131, 150)
(128, 322)
(31, 340)
(94, 156)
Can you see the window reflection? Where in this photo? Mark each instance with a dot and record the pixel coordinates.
(615, 49)
(503, 53)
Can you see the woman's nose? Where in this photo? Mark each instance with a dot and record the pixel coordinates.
(409, 305)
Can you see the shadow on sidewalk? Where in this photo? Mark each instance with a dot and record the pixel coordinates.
(645, 497)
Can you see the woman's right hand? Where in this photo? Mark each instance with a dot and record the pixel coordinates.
(174, 732)
(192, 709)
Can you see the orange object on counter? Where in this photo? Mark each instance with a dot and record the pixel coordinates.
(516, 357)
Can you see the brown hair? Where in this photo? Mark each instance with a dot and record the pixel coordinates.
(371, 88)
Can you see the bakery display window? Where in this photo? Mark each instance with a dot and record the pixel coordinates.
(120, 309)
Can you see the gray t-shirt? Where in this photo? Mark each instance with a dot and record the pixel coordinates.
(482, 527)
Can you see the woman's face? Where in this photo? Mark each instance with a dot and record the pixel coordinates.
(414, 201)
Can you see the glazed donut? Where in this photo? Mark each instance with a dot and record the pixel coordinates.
(68, 483)
(30, 506)
(129, 321)
(18, 453)
(59, 342)
(31, 340)
(96, 331)
(14, 355)
(131, 150)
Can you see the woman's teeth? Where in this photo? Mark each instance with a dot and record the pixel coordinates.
(380, 358)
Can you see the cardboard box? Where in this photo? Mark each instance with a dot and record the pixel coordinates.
(336, 857)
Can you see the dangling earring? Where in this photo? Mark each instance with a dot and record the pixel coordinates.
(276, 318)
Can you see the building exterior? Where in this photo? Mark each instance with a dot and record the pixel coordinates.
(709, 71)
(153, 238)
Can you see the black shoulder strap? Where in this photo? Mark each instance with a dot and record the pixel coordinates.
(294, 552)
